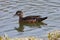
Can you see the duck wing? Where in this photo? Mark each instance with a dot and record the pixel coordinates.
(41, 19)
(32, 17)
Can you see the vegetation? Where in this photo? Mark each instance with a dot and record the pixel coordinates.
(55, 35)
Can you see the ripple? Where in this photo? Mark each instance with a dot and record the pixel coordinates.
(29, 7)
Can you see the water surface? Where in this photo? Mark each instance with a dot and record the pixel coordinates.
(8, 23)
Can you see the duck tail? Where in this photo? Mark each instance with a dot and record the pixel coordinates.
(41, 19)
(44, 18)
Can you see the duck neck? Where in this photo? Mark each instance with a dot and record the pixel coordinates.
(20, 19)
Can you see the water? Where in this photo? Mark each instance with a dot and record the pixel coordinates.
(8, 23)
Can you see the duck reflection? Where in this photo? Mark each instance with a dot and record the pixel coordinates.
(32, 25)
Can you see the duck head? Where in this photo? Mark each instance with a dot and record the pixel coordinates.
(19, 13)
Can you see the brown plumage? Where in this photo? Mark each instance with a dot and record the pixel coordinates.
(30, 19)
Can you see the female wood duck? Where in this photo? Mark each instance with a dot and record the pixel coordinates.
(29, 19)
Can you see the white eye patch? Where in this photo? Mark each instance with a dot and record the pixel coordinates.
(18, 13)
